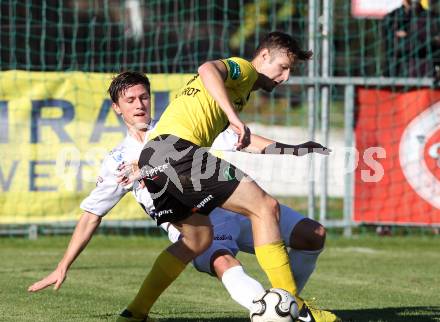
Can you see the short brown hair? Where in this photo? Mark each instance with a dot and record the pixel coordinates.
(282, 41)
(125, 80)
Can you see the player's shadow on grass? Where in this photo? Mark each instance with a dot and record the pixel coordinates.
(391, 314)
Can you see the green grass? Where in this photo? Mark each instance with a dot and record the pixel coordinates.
(367, 278)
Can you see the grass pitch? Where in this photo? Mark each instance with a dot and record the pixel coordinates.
(367, 278)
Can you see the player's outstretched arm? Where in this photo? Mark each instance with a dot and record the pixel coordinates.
(81, 236)
(213, 75)
(263, 145)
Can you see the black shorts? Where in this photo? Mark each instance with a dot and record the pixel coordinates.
(184, 178)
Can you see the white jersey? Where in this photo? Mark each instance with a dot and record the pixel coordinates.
(108, 191)
(226, 141)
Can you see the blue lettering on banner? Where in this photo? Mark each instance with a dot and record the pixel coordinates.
(33, 175)
(6, 182)
(4, 122)
(57, 124)
(100, 123)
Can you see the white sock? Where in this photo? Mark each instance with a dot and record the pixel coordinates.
(242, 288)
(303, 263)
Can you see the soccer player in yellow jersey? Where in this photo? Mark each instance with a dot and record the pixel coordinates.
(187, 182)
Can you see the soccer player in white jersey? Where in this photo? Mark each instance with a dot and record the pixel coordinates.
(130, 93)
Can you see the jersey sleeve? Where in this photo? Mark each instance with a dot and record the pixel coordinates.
(107, 192)
(225, 141)
(241, 73)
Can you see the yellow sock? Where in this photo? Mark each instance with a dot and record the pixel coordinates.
(165, 270)
(274, 261)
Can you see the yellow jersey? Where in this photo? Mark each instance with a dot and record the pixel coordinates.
(195, 116)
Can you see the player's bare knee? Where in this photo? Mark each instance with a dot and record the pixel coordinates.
(221, 261)
(308, 235)
(319, 236)
(315, 237)
(225, 261)
(321, 232)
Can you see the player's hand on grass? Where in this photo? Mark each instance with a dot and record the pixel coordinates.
(55, 278)
(312, 147)
(244, 134)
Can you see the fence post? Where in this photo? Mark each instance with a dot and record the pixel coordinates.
(349, 175)
(327, 27)
(312, 91)
(33, 232)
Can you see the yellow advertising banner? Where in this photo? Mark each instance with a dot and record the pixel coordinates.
(55, 128)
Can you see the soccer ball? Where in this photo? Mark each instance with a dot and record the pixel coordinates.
(274, 305)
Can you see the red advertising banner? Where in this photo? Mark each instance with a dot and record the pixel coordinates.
(397, 180)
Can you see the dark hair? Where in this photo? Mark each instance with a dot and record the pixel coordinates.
(282, 41)
(124, 81)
